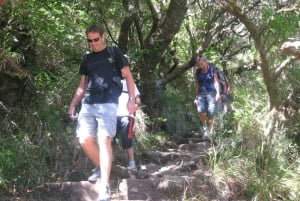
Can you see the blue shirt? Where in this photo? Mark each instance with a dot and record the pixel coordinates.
(206, 80)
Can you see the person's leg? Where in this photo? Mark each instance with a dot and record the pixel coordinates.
(202, 112)
(202, 117)
(225, 107)
(126, 130)
(202, 109)
(225, 101)
(86, 132)
(90, 148)
(106, 158)
(130, 154)
(211, 122)
(107, 121)
(211, 111)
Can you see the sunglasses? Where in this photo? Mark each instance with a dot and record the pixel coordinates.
(95, 40)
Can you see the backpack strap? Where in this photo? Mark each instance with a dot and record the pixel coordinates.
(211, 69)
(117, 75)
(85, 57)
(112, 58)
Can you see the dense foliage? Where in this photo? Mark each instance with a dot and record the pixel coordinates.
(39, 58)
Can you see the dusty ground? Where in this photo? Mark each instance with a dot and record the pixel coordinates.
(178, 173)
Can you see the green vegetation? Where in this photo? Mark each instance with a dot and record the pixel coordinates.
(265, 167)
(256, 147)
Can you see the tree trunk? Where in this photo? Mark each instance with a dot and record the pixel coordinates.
(268, 77)
(154, 47)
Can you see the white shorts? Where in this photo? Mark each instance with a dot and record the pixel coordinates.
(97, 119)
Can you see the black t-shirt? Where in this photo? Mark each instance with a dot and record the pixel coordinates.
(103, 70)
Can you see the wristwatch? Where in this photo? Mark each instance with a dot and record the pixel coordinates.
(131, 98)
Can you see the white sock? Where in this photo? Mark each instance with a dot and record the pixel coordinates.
(132, 163)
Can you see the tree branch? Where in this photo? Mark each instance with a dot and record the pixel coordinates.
(155, 20)
(284, 65)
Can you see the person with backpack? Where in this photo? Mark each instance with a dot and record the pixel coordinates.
(225, 91)
(99, 90)
(125, 123)
(207, 94)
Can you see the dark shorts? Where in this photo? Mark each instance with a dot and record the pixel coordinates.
(125, 130)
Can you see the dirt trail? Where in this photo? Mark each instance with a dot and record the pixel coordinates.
(178, 173)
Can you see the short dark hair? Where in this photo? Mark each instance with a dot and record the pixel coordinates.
(95, 28)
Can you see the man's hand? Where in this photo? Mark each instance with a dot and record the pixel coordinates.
(131, 107)
(71, 113)
(195, 101)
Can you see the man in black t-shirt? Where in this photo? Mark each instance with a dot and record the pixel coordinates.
(99, 91)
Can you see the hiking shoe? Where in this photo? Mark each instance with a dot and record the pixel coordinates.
(95, 175)
(104, 193)
(132, 167)
(206, 134)
(206, 138)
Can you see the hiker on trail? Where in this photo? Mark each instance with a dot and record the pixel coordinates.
(99, 90)
(225, 92)
(125, 122)
(207, 94)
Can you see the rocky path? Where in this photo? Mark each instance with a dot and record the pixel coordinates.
(177, 173)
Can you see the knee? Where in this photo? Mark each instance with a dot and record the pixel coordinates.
(105, 140)
(86, 141)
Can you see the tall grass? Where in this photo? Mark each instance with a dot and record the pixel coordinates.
(36, 136)
(257, 161)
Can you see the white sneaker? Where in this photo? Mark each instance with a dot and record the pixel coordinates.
(95, 175)
(104, 193)
(206, 133)
(132, 167)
